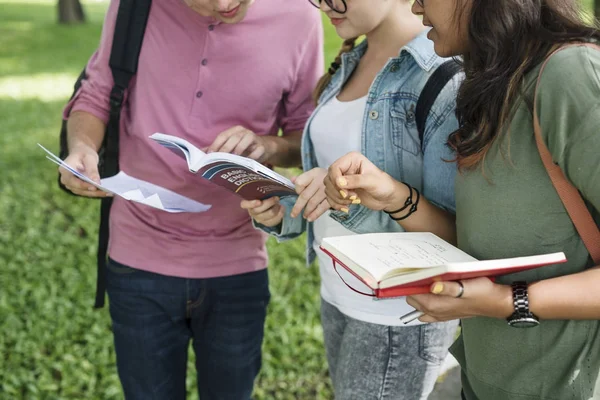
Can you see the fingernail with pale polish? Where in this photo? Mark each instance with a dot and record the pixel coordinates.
(342, 181)
(437, 288)
(344, 209)
(356, 201)
(343, 194)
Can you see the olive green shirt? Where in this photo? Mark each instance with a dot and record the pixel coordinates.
(511, 209)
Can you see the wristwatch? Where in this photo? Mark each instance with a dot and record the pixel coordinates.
(522, 317)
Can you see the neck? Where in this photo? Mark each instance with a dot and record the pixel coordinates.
(401, 27)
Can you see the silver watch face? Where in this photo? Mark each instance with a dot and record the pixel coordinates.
(525, 322)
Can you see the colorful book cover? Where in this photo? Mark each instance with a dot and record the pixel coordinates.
(243, 181)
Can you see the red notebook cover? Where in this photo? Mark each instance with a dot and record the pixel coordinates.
(423, 286)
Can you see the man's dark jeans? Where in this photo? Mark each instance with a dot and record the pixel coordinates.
(154, 318)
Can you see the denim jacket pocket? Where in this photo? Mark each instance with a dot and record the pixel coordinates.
(404, 130)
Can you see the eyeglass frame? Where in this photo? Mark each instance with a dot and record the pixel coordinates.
(421, 3)
(330, 5)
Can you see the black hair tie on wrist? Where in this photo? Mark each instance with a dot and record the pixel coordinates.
(407, 203)
(413, 208)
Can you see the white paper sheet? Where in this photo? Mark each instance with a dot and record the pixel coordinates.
(137, 190)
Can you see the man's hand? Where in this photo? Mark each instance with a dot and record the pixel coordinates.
(84, 159)
(311, 194)
(267, 212)
(243, 142)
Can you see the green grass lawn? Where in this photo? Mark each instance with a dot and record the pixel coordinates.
(52, 344)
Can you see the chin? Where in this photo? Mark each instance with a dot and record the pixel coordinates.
(238, 17)
(345, 33)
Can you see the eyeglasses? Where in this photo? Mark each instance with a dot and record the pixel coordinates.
(420, 3)
(339, 6)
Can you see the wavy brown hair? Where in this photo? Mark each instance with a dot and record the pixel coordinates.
(507, 39)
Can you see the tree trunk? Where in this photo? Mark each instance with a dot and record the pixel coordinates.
(597, 8)
(70, 12)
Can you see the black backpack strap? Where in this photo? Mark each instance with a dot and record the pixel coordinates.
(130, 26)
(436, 82)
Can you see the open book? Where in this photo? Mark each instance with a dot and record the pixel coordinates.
(241, 175)
(406, 263)
(136, 190)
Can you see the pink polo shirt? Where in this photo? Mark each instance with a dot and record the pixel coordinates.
(196, 78)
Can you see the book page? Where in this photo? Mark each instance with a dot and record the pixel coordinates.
(192, 154)
(388, 254)
(136, 190)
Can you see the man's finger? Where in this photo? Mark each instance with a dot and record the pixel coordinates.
(258, 153)
(266, 204)
(230, 144)
(88, 193)
(276, 219)
(250, 204)
(222, 138)
(90, 167)
(72, 182)
(244, 144)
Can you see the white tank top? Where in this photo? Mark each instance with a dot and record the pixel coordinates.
(335, 131)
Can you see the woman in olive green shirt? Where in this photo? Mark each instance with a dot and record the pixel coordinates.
(506, 203)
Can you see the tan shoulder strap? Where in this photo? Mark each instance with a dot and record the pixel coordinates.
(570, 196)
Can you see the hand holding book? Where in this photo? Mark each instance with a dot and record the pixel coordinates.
(311, 201)
(481, 298)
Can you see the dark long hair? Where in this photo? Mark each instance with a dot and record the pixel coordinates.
(507, 39)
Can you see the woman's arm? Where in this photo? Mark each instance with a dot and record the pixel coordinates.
(354, 175)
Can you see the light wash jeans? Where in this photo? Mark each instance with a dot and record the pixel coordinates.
(377, 362)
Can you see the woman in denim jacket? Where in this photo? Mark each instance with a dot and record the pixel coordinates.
(366, 103)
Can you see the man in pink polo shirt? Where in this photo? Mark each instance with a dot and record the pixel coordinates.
(226, 75)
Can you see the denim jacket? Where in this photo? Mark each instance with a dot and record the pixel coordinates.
(389, 138)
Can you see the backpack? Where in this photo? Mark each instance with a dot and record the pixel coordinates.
(436, 82)
(130, 26)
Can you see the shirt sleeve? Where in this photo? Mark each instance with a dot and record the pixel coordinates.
(290, 228)
(569, 112)
(439, 167)
(298, 103)
(94, 93)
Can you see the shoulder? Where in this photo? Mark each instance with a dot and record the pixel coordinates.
(573, 70)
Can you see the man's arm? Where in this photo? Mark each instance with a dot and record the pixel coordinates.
(84, 130)
(285, 150)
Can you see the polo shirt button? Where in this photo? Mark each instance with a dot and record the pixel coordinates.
(373, 115)
(205, 61)
(199, 94)
(211, 27)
